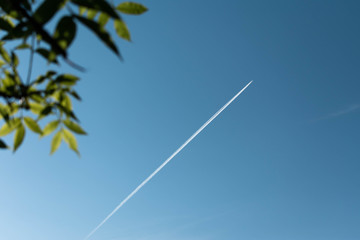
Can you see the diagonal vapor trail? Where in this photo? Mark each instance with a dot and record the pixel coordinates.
(166, 161)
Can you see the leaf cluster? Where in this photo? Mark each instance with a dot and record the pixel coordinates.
(26, 101)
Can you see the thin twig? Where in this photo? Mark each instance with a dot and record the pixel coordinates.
(31, 59)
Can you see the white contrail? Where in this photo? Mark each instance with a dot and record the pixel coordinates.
(167, 161)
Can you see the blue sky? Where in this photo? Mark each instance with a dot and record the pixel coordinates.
(282, 162)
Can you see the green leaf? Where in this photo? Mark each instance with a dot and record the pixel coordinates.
(67, 102)
(50, 127)
(4, 112)
(121, 29)
(2, 63)
(66, 79)
(56, 141)
(3, 145)
(46, 111)
(47, 10)
(8, 8)
(131, 8)
(91, 13)
(67, 111)
(74, 127)
(4, 54)
(23, 46)
(71, 141)
(100, 32)
(36, 108)
(8, 110)
(14, 59)
(5, 25)
(82, 10)
(9, 126)
(65, 32)
(100, 5)
(32, 125)
(103, 19)
(19, 136)
(75, 95)
(48, 55)
(40, 79)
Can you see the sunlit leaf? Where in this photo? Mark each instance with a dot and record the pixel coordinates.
(36, 108)
(91, 13)
(103, 19)
(32, 125)
(4, 54)
(67, 102)
(82, 10)
(71, 140)
(56, 141)
(9, 126)
(100, 5)
(131, 8)
(50, 127)
(2, 63)
(4, 112)
(74, 127)
(19, 136)
(121, 29)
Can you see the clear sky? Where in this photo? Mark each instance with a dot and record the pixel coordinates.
(282, 162)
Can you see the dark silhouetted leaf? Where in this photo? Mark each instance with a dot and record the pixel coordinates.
(75, 95)
(46, 111)
(131, 8)
(67, 111)
(66, 79)
(65, 32)
(5, 25)
(14, 59)
(48, 55)
(47, 10)
(3, 145)
(100, 32)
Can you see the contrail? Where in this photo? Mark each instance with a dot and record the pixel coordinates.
(166, 162)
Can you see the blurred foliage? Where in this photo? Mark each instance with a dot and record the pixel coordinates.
(26, 101)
